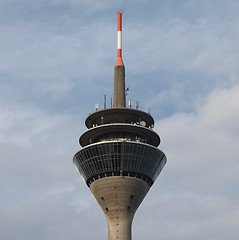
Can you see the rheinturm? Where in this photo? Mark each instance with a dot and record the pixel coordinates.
(119, 159)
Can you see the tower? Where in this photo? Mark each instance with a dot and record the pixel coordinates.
(119, 159)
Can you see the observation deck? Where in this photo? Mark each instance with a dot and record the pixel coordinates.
(119, 158)
(119, 142)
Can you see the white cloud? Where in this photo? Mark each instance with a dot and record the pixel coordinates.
(206, 44)
(38, 180)
(36, 150)
(222, 115)
(199, 194)
(21, 125)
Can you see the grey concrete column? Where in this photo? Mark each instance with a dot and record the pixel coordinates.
(119, 198)
(119, 87)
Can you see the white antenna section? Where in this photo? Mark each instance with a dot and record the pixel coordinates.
(130, 103)
(137, 104)
(89, 111)
(96, 107)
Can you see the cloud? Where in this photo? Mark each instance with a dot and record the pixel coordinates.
(36, 149)
(197, 189)
(49, 62)
(48, 56)
(181, 44)
(38, 180)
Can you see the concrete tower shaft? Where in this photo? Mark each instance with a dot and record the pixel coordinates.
(119, 198)
(119, 87)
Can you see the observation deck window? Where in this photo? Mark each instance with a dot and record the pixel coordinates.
(119, 157)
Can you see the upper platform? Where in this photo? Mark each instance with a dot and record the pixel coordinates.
(119, 115)
(119, 131)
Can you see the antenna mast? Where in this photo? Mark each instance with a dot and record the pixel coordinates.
(119, 70)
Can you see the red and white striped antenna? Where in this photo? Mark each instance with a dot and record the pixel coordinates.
(119, 61)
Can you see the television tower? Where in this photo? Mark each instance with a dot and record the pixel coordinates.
(119, 159)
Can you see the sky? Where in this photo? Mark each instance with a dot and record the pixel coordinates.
(56, 62)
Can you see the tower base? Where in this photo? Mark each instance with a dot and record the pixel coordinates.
(119, 198)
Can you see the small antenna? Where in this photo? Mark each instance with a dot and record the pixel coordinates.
(137, 104)
(105, 101)
(126, 91)
(89, 111)
(111, 102)
(96, 106)
(149, 111)
(130, 103)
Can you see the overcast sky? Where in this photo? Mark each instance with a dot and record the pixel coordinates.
(56, 62)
